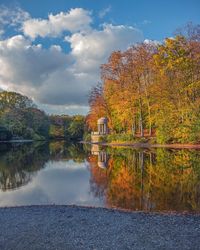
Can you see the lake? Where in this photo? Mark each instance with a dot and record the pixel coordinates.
(81, 174)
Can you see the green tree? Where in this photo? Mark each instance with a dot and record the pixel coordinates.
(76, 128)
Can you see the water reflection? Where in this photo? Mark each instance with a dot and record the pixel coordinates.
(137, 179)
(19, 162)
(102, 156)
(148, 180)
(45, 174)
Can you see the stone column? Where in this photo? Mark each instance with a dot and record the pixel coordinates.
(99, 128)
(104, 128)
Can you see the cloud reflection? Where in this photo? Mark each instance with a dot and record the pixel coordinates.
(60, 182)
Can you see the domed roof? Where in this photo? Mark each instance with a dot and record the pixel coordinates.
(102, 120)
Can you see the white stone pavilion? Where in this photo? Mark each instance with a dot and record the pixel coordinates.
(102, 125)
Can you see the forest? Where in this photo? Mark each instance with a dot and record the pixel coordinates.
(152, 90)
(21, 119)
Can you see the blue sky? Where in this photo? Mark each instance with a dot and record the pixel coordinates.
(157, 19)
(52, 50)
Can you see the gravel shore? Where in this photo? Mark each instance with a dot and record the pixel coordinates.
(71, 227)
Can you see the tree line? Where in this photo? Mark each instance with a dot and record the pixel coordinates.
(152, 89)
(21, 119)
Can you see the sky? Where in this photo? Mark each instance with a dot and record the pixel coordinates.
(51, 51)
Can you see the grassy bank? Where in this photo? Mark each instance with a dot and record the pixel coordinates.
(126, 138)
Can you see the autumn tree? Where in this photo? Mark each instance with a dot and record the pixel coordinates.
(152, 89)
(177, 67)
(97, 107)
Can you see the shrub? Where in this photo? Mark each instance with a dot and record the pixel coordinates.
(87, 137)
(120, 138)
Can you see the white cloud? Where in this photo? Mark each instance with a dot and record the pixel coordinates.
(75, 20)
(53, 78)
(11, 17)
(105, 11)
(145, 22)
(25, 67)
(1, 32)
(55, 184)
(92, 49)
(64, 109)
(152, 42)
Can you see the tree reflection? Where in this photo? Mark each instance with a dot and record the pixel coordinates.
(134, 179)
(148, 180)
(19, 162)
(61, 150)
(98, 166)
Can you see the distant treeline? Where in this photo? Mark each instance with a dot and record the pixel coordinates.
(21, 119)
(152, 89)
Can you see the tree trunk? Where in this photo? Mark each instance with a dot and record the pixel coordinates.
(141, 159)
(134, 126)
(140, 110)
(141, 120)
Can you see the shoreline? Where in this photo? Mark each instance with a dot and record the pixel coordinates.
(17, 141)
(119, 144)
(46, 140)
(76, 227)
(145, 145)
(111, 209)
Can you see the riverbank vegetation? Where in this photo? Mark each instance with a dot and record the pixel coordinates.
(152, 90)
(21, 119)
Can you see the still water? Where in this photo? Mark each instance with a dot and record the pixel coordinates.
(136, 179)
